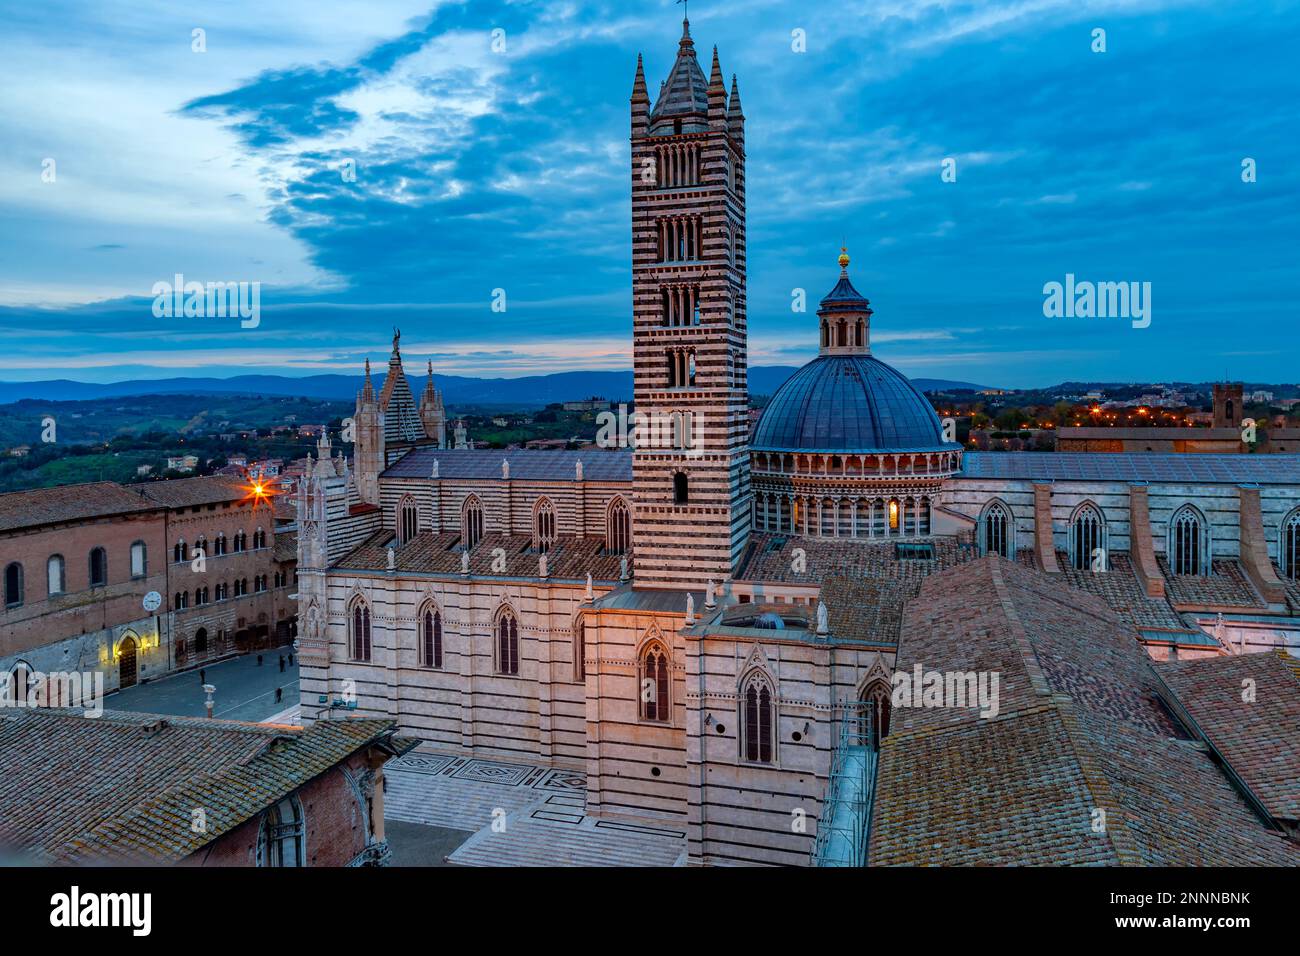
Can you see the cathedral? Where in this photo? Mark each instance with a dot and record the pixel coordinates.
(709, 625)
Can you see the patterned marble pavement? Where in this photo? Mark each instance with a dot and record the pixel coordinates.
(521, 815)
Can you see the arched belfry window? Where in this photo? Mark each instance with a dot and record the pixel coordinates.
(430, 619)
(1087, 537)
(507, 642)
(471, 522)
(1289, 546)
(874, 712)
(758, 719)
(653, 687)
(1189, 542)
(408, 519)
(995, 530)
(543, 525)
(618, 527)
(359, 639)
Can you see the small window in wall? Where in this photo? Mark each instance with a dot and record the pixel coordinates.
(139, 564)
(13, 584)
(914, 551)
(579, 650)
(98, 567)
(681, 494)
(431, 637)
(56, 577)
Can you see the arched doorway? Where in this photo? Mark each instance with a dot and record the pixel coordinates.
(201, 641)
(126, 663)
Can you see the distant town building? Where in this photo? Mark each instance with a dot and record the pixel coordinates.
(182, 462)
(593, 404)
(19, 451)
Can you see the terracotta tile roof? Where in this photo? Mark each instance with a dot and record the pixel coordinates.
(286, 546)
(187, 492)
(26, 509)
(1123, 593)
(1259, 738)
(123, 786)
(1226, 587)
(1080, 727)
(771, 557)
(428, 553)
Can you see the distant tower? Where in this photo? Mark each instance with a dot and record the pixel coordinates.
(368, 451)
(689, 325)
(1227, 405)
(432, 413)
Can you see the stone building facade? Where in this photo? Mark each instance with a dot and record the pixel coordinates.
(81, 560)
(696, 629)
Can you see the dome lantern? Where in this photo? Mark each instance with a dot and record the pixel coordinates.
(844, 317)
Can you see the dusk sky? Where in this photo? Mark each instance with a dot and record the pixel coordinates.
(479, 169)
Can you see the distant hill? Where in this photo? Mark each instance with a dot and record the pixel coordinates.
(529, 391)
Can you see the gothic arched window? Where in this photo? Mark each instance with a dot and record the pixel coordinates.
(507, 642)
(431, 636)
(471, 522)
(653, 687)
(759, 719)
(543, 525)
(360, 636)
(1289, 546)
(280, 842)
(618, 527)
(874, 712)
(408, 520)
(995, 530)
(1087, 537)
(1189, 544)
(178, 552)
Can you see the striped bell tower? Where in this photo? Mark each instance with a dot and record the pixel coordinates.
(690, 469)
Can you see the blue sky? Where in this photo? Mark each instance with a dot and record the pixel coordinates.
(479, 169)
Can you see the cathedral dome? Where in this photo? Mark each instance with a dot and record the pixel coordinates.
(846, 400)
(848, 403)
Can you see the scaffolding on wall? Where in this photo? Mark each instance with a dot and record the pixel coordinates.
(846, 813)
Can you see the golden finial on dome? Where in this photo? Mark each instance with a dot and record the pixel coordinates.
(844, 257)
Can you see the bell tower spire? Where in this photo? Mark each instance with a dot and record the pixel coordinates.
(690, 469)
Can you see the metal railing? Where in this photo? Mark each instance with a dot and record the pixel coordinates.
(846, 812)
